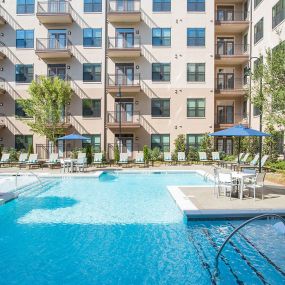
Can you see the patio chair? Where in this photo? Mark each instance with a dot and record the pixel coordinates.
(98, 159)
(81, 164)
(5, 159)
(258, 183)
(139, 160)
(53, 160)
(167, 157)
(124, 159)
(33, 160)
(181, 157)
(216, 156)
(22, 159)
(226, 183)
(203, 157)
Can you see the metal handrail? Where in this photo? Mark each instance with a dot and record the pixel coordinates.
(124, 43)
(228, 15)
(53, 7)
(125, 117)
(53, 44)
(229, 48)
(216, 270)
(229, 83)
(124, 6)
(124, 80)
(33, 174)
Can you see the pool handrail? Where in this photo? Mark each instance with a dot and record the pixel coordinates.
(28, 172)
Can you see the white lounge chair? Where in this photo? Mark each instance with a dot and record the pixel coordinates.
(167, 157)
(23, 158)
(181, 157)
(98, 159)
(231, 163)
(33, 160)
(263, 161)
(139, 159)
(124, 159)
(203, 157)
(5, 159)
(253, 163)
(53, 160)
(216, 156)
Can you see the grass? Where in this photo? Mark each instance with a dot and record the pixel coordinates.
(277, 177)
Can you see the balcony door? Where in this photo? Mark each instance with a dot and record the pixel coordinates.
(125, 5)
(58, 70)
(57, 39)
(225, 81)
(225, 46)
(125, 38)
(124, 110)
(56, 6)
(124, 73)
(125, 143)
(225, 114)
(225, 13)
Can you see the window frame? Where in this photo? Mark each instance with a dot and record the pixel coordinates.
(25, 40)
(165, 6)
(164, 110)
(95, 146)
(260, 33)
(93, 73)
(196, 109)
(277, 15)
(197, 138)
(18, 109)
(164, 147)
(93, 5)
(164, 76)
(196, 4)
(198, 41)
(92, 108)
(197, 74)
(26, 7)
(92, 40)
(26, 141)
(162, 39)
(30, 76)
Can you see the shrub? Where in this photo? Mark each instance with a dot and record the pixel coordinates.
(89, 154)
(116, 153)
(30, 149)
(193, 154)
(146, 154)
(279, 165)
(14, 156)
(155, 154)
(207, 145)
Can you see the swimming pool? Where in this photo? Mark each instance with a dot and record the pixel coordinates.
(126, 229)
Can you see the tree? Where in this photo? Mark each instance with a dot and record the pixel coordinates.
(146, 154)
(207, 144)
(116, 153)
(268, 86)
(89, 154)
(46, 105)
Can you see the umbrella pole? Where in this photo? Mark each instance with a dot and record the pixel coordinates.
(238, 150)
(260, 154)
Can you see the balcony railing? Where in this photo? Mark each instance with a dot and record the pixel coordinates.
(228, 83)
(124, 43)
(124, 80)
(54, 7)
(230, 49)
(226, 15)
(53, 44)
(125, 117)
(124, 6)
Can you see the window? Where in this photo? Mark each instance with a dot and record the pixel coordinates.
(161, 37)
(19, 111)
(22, 142)
(196, 108)
(24, 39)
(160, 107)
(94, 140)
(256, 111)
(92, 72)
(195, 37)
(92, 6)
(195, 5)
(278, 13)
(161, 141)
(258, 31)
(161, 72)
(245, 75)
(92, 37)
(257, 2)
(245, 43)
(25, 6)
(196, 72)
(24, 73)
(194, 140)
(91, 108)
(161, 5)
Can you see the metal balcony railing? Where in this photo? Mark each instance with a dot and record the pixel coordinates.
(227, 15)
(227, 82)
(124, 6)
(133, 42)
(124, 80)
(228, 49)
(54, 7)
(125, 117)
(53, 44)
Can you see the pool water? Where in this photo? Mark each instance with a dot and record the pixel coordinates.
(126, 229)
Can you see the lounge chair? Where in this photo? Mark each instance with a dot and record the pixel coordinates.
(33, 160)
(253, 163)
(139, 159)
(23, 159)
(216, 156)
(53, 160)
(124, 159)
(203, 157)
(230, 163)
(81, 164)
(258, 183)
(5, 159)
(263, 161)
(181, 157)
(81, 155)
(98, 159)
(167, 157)
(242, 161)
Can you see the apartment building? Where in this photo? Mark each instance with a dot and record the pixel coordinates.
(142, 72)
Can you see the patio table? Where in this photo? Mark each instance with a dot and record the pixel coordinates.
(241, 177)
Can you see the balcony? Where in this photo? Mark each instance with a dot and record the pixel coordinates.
(53, 49)
(64, 123)
(229, 21)
(124, 11)
(129, 120)
(128, 84)
(222, 123)
(54, 12)
(227, 84)
(124, 47)
(228, 53)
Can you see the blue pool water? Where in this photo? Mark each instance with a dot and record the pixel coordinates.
(126, 229)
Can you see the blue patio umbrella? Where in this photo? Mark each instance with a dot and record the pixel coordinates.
(73, 137)
(242, 131)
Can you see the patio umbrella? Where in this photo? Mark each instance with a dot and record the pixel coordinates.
(242, 131)
(73, 137)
